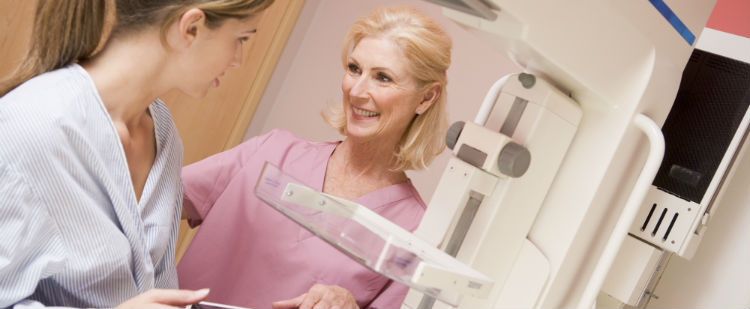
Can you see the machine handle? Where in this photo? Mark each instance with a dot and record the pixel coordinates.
(489, 100)
(642, 185)
(526, 80)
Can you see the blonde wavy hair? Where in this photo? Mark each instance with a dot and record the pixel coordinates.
(427, 50)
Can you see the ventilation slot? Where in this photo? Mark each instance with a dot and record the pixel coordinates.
(658, 223)
(669, 229)
(648, 218)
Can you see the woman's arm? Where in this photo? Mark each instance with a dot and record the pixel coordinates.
(204, 181)
(30, 243)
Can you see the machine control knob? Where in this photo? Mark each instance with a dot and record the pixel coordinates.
(527, 80)
(451, 137)
(513, 160)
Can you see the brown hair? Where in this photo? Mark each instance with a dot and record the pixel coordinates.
(427, 51)
(69, 31)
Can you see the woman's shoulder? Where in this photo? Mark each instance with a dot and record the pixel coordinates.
(282, 136)
(51, 88)
(401, 203)
(288, 151)
(47, 110)
(61, 93)
(288, 141)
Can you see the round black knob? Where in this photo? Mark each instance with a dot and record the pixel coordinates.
(514, 160)
(451, 137)
(527, 80)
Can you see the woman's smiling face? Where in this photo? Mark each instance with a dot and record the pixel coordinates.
(380, 95)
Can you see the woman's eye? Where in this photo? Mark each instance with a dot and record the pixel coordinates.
(353, 68)
(244, 37)
(383, 78)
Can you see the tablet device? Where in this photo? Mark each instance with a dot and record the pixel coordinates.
(210, 305)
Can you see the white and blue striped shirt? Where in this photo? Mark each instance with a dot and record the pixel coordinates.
(71, 230)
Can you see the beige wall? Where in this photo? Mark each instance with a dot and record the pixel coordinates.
(309, 75)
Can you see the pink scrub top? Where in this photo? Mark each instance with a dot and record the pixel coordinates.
(251, 255)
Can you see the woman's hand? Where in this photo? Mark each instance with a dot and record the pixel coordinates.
(320, 296)
(159, 298)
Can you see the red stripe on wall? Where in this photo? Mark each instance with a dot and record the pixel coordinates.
(731, 16)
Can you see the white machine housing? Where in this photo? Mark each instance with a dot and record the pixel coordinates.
(621, 61)
(491, 210)
(678, 207)
(669, 224)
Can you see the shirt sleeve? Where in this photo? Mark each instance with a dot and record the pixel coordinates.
(204, 181)
(31, 248)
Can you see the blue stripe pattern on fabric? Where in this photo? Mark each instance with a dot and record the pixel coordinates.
(673, 20)
(71, 230)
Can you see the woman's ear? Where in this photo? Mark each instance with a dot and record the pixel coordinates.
(431, 95)
(187, 27)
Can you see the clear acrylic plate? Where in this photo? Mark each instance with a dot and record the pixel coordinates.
(372, 240)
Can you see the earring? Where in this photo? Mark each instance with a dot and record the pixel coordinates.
(419, 112)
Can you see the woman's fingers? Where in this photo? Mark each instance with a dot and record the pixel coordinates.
(178, 297)
(330, 296)
(320, 297)
(163, 298)
(311, 298)
(289, 303)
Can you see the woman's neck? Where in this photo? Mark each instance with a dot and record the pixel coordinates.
(128, 74)
(367, 160)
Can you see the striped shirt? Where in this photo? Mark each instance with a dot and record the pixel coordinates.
(72, 232)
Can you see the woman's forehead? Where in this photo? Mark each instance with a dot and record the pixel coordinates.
(379, 52)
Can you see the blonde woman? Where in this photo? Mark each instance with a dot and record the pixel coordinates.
(393, 119)
(90, 159)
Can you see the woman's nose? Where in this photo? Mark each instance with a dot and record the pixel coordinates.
(360, 88)
(237, 59)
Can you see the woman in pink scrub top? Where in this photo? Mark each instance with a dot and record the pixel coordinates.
(393, 116)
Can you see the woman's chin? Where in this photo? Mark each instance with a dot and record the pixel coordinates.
(359, 133)
(196, 94)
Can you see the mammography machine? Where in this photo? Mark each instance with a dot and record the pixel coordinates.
(549, 197)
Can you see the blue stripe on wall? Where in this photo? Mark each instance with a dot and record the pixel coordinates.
(675, 21)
